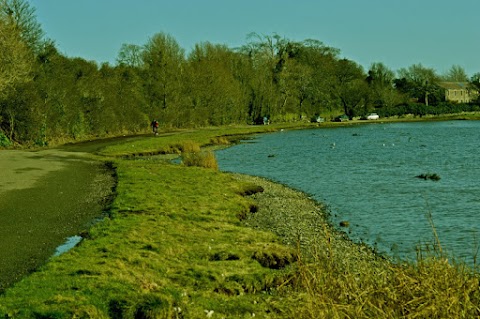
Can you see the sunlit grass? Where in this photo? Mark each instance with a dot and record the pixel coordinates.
(176, 245)
(161, 250)
(174, 143)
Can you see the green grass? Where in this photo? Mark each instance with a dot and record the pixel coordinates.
(161, 249)
(176, 142)
(177, 245)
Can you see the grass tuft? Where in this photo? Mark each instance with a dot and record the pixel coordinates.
(223, 256)
(154, 306)
(275, 257)
(250, 189)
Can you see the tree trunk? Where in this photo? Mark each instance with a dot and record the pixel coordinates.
(12, 125)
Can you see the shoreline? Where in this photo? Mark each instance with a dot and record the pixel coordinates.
(301, 222)
(38, 215)
(186, 241)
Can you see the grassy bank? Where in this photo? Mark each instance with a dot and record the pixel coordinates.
(192, 242)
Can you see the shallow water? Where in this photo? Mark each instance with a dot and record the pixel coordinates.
(366, 174)
(69, 243)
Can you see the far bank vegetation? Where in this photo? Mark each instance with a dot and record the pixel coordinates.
(48, 97)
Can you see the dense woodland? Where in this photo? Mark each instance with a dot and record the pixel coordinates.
(46, 96)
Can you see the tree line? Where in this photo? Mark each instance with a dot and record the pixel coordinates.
(46, 96)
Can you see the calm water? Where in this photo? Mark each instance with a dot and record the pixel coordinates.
(366, 175)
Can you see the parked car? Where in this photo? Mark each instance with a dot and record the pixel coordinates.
(373, 116)
(341, 118)
(317, 119)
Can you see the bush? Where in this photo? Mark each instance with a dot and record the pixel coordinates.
(4, 141)
(419, 109)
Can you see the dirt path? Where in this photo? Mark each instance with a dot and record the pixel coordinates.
(45, 197)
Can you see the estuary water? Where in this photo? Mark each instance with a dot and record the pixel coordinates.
(366, 175)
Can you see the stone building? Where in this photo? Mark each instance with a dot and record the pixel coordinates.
(459, 92)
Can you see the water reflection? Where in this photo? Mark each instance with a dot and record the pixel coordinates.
(69, 244)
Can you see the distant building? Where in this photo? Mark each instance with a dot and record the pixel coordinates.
(459, 92)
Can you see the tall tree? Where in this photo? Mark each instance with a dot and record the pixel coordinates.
(130, 55)
(350, 87)
(475, 80)
(15, 70)
(22, 17)
(262, 54)
(475, 83)
(455, 74)
(15, 58)
(215, 94)
(418, 82)
(322, 60)
(380, 80)
(163, 62)
(123, 104)
(380, 75)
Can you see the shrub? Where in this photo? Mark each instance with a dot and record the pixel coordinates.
(4, 141)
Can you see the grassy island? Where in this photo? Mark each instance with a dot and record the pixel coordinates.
(188, 241)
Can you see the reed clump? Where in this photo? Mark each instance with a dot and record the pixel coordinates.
(219, 140)
(204, 159)
(188, 147)
(349, 284)
(429, 288)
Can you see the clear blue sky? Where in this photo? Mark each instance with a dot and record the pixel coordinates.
(398, 33)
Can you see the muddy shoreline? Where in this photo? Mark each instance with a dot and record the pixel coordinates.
(44, 204)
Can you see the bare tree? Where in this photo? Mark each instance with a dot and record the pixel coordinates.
(22, 17)
(456, 74)
(16, 59)
(130, 55)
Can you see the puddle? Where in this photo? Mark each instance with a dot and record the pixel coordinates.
(69, 244)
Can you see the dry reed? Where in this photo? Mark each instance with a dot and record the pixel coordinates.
(201, 159)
